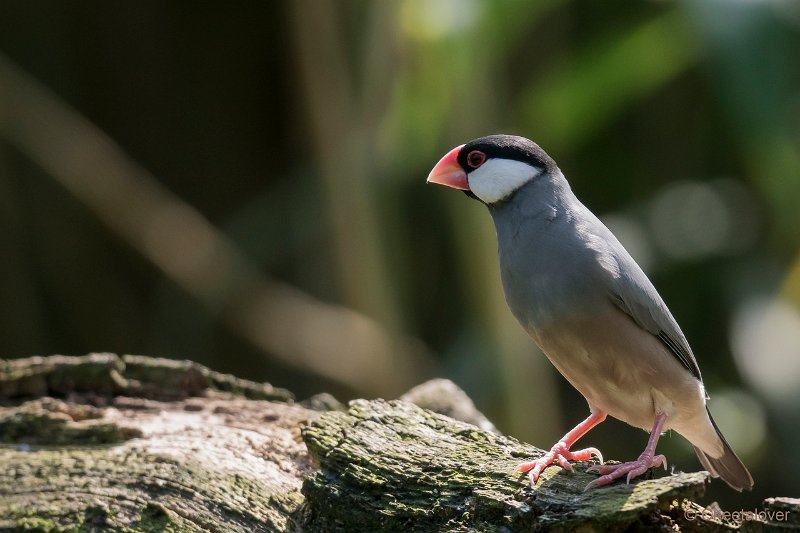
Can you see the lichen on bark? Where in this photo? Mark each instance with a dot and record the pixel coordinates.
(404, 466)
(98, 460)
(131, 443)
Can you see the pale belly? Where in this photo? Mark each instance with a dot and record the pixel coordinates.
(625, 371)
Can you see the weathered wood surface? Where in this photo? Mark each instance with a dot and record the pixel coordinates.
(108, 443)
(127, 444)
(426, 471)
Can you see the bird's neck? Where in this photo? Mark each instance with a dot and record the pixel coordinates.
(538, 201)
(540, 252)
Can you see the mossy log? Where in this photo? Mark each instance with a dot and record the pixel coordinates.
(108, 443)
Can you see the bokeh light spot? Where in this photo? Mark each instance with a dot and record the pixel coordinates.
(691, 220)
(765, 337)
(429, 20)
(741, 419)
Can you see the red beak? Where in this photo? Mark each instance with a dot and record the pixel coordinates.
(448, 172)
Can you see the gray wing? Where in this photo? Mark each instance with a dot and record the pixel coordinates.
(633, 293)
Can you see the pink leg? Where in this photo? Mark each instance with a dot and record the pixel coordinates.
(560, 450)
(635, 468)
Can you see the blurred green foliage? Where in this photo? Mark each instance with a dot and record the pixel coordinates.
(244, 186)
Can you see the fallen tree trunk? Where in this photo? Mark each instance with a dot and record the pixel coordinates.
(103, 442)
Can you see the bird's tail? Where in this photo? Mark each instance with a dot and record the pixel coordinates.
(728, 467)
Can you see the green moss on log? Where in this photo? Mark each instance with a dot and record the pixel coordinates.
(233, 465)
(108, 443)
(393, 466)
(98, 490)
(106, 374)
(119, 452)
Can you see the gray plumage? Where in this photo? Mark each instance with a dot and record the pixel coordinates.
(587, 303)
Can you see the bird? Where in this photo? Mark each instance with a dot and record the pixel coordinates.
(590, 308)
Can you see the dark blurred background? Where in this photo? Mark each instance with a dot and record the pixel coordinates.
(244, 186)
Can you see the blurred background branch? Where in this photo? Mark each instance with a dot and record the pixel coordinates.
(335, 342)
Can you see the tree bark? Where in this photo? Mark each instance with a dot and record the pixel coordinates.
(102, 442)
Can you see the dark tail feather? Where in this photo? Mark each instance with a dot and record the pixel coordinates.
(729, 467)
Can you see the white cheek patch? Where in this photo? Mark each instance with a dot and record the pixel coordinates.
(496, 179)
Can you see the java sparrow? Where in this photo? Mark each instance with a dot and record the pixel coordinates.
(590, 308)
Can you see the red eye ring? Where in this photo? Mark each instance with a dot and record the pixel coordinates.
(475, 158)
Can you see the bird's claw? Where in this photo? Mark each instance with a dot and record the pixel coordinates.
(633, 469)
(558, 453)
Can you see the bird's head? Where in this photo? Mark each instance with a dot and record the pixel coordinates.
(492, 168)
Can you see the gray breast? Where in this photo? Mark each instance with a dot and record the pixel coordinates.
(552, 267)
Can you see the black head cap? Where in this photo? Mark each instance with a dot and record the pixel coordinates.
(508, 147)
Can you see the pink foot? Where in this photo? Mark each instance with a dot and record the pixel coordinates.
(646, 460)
(632, 469)
(559, 452)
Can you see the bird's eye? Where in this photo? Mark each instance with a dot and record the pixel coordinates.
(475, 158)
